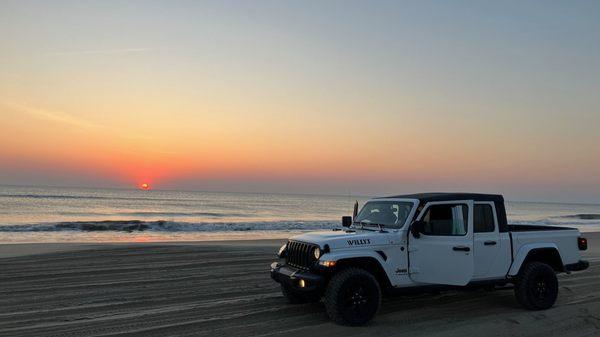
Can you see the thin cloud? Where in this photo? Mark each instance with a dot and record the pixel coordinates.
(99, 51)
(57, 116)
(66, 118)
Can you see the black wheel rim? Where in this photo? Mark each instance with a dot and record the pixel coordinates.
(357, 300)
(540, 288)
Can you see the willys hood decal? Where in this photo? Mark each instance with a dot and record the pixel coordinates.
(347, 239)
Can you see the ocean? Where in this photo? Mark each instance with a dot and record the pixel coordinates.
(56, 214)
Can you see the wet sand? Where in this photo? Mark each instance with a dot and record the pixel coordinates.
(224, 289)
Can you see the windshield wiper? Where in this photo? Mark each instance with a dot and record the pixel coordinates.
(362, 223)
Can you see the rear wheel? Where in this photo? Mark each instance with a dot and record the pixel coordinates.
(353, 297)
(537, 287)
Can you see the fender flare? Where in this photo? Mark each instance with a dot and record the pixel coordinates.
(358, 254)
(523, 253)
(351, 254)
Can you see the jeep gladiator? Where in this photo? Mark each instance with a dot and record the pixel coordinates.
(416, 242)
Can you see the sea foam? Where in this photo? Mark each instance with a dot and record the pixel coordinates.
(169, 226)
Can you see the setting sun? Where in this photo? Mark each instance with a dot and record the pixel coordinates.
(145, 186)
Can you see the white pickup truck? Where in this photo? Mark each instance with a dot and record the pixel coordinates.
(418, 241)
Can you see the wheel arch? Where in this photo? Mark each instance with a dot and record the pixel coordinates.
(546, 253)
(368, 263)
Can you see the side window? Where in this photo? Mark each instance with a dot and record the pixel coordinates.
(446, 220)
(483, 219)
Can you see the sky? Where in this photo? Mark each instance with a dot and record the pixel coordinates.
(325, 97)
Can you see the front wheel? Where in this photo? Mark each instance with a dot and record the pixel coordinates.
(537, 287)
(353, 297)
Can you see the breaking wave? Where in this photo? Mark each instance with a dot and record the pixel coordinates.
(588, 222)
(583, 216)
(160, 214)
(169, 226)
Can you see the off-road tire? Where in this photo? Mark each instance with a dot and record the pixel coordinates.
(353, 297)
(537, 286)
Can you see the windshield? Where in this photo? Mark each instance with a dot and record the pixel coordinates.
(391, 214)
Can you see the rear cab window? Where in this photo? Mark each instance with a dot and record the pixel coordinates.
(483, 218)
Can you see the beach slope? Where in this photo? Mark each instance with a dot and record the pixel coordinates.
(224, 289)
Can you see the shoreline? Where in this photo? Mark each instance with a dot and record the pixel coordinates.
(17, 249)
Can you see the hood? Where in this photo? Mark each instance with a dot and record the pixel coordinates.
(346, 239)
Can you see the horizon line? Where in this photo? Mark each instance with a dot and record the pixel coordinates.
(279, 193)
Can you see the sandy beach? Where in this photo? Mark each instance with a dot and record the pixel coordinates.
(224, 289)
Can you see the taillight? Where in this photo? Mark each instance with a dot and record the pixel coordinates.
(582, 243)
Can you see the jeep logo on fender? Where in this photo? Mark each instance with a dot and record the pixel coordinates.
(359, 242)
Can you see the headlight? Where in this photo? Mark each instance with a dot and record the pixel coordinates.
(317, 253)
(281, 252)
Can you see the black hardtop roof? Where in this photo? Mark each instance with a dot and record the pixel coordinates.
(443, 196)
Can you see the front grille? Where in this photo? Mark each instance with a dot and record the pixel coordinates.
(300, 254)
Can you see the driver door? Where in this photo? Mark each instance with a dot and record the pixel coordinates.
(443, 254)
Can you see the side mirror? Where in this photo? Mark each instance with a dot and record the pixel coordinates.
(417, 228)
(346, 221)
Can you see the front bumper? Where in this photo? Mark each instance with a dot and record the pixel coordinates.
(578, 266)
(292, 276)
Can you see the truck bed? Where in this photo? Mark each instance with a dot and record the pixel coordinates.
(526, 237)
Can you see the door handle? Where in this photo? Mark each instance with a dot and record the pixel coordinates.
(461, 248)
(489, 243)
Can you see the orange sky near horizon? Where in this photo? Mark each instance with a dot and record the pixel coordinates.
(158, 152)
(378, 100)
